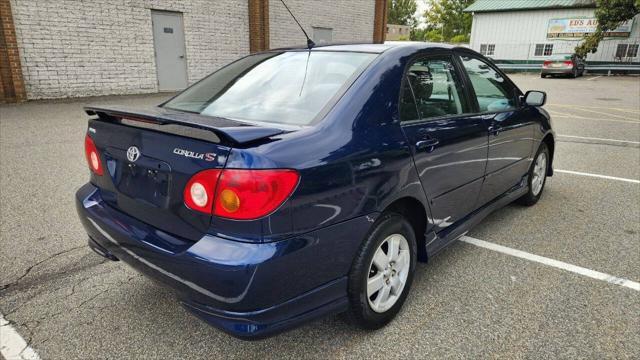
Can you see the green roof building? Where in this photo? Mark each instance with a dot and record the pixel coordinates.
(536, 29)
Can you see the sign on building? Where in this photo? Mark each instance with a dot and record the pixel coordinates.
(579, 27)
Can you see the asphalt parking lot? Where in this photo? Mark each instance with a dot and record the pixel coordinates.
(468, 302)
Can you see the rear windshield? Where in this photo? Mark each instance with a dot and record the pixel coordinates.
(561, 57)
(275, 87)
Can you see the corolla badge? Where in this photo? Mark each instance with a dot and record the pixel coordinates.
(133, 153)
(195, 155)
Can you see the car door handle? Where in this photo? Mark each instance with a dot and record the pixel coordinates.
(427, 144)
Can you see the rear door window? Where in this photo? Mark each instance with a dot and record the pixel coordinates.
(493, 92)
(437, 89)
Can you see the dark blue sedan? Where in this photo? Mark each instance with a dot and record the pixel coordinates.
(296, 183)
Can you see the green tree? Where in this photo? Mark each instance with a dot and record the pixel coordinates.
(448, 17)
(610, 14)
(418, 34)
(434, 35)
(401, 12)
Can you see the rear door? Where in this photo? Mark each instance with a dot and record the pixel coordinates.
(449, 144)
(509, 128)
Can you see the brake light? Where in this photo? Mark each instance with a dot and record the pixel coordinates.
(199, 192)
(568, 63)
(546, 63)
(92, 155)
(240, 194)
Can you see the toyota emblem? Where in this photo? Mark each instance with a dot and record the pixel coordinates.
(133, 153)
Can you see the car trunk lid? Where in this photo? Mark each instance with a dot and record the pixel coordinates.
(149, 155)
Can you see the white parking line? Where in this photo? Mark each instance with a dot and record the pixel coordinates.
(576, 117)
(633, 181)
(602, 139)
(553, 263)
(595, 77)
(12, 345)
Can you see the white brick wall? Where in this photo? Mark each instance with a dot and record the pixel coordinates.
(351, 20)
(72, 48)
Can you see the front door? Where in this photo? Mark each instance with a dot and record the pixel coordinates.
(509, 128)
(168, 42)
(449, 144)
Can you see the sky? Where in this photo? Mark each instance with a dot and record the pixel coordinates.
(421, 8)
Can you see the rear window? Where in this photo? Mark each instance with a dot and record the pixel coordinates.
(276, 87)
(561, 57)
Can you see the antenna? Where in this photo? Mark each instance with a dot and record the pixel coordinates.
(310, 43)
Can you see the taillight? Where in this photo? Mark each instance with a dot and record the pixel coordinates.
(546, 63)
(239, 194)
(199, 192)
(92, 155)
(568, 63)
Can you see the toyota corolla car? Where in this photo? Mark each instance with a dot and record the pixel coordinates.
(296, 183)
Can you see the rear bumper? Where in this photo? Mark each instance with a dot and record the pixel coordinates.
(557, 71)
(249, 290)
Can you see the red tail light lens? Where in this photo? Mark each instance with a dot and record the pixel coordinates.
(92, 155)
(200, 190)
(546, 63)
(238, 193)
(568, 63)
(251, 194)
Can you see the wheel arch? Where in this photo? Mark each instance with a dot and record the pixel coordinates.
(415, 212)
(549, 140)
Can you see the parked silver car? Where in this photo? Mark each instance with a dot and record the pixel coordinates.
(563, 64)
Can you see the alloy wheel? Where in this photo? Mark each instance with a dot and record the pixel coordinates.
(539, 173)
(388, 273)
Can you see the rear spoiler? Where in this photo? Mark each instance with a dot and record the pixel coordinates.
(167, 120)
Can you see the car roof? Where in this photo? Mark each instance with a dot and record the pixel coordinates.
(372, 48)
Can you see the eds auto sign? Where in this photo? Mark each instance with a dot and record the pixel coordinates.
(579, 27)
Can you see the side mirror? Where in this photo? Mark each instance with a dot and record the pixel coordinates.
(535, 98)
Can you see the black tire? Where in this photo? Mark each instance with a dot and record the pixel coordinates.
(530, 198)
(360, 312)
(543, 76)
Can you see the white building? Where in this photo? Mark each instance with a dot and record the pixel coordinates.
(526, 30)
(69, 48)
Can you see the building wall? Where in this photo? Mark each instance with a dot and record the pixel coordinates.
(84, 48)
(397, 32)
(516, 33)
(351, 20)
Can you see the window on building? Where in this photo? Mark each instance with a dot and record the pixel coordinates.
(487, 49)
(543, 50)
(322, 35)
(621, 51)
(627, 50)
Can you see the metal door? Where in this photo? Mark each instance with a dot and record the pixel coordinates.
(168, 43)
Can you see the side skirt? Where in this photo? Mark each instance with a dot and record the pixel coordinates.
(437, 242)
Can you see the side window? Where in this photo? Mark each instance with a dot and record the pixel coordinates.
(436, 87)
(492, 91)
(408, 109)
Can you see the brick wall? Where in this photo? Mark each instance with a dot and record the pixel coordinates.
(11, 82)
(74, 48)
(351, 20)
